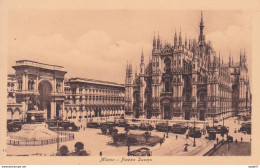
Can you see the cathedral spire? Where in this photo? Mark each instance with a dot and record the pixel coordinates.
(189, 44)
(229, 62)
(201, 37)
(240, 56)
(130, 69)
(175, 39)
(161, 43)
(244, 55)
(180, 38)
(185, 40)
(142, 56)
(136, 72)
(154, 41)
(127, 68)
(158, 41)
(219, 58)
(142, 66)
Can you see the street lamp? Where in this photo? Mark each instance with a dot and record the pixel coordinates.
(194, 142)
(167, 130)
(58, 138)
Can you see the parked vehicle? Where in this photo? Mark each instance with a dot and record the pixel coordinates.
(140, 152)
(121, 122)
(146, 126)
(212, 133)
(108, 127)
(93, 125)
(133, 125)
(14, 125)
(221, 129)
(246, 127)
(107, 124)
(179, 129)
(230, 139)
(163, 127)
(61, 125)
(194, 132)
(246, 118)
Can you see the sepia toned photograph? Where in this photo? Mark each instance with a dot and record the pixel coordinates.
(128, 85)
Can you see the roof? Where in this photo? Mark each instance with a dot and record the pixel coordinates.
(97, 82)
(39, 65)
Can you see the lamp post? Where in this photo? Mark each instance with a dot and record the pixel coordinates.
(167, 130)
(58, 138)
(194, 135)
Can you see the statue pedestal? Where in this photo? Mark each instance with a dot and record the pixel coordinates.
(34, 132)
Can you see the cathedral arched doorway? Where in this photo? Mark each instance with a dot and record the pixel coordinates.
(44, 103)
(167, 111)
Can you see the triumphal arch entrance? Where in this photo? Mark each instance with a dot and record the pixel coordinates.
(40, 87)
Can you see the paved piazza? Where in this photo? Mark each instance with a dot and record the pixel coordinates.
(95, 142)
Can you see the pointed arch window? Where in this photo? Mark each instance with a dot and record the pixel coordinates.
(167, 63)
(167, 86)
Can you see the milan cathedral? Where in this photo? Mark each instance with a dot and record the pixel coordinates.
(187, 81)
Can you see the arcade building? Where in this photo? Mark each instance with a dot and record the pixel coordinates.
(187, 80)
(43, 87)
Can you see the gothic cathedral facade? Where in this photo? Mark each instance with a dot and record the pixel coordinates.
(187, 81)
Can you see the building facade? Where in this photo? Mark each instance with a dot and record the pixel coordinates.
(43, 87)
(187, 81)
(93, 99)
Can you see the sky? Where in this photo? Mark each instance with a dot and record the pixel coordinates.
(97, 44)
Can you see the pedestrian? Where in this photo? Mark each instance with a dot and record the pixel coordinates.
(100, 153)
(176, 136)
(241, 139)
(217, 139)
(185, 148)
(163, 135)
(236, 141)
(81, 126)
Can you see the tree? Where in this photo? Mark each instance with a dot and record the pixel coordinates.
(130, 141)
(104, 130)
(116, 138)
(147, 136)
(79, 146)
(64, 150)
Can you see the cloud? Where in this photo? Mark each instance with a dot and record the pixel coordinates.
(92, 55)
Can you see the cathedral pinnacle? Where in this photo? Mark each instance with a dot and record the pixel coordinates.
(201, 36)
(180, 38)
(154, 41)
(175, 38)
(142, 56)
(158, 41)
(185, 40)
